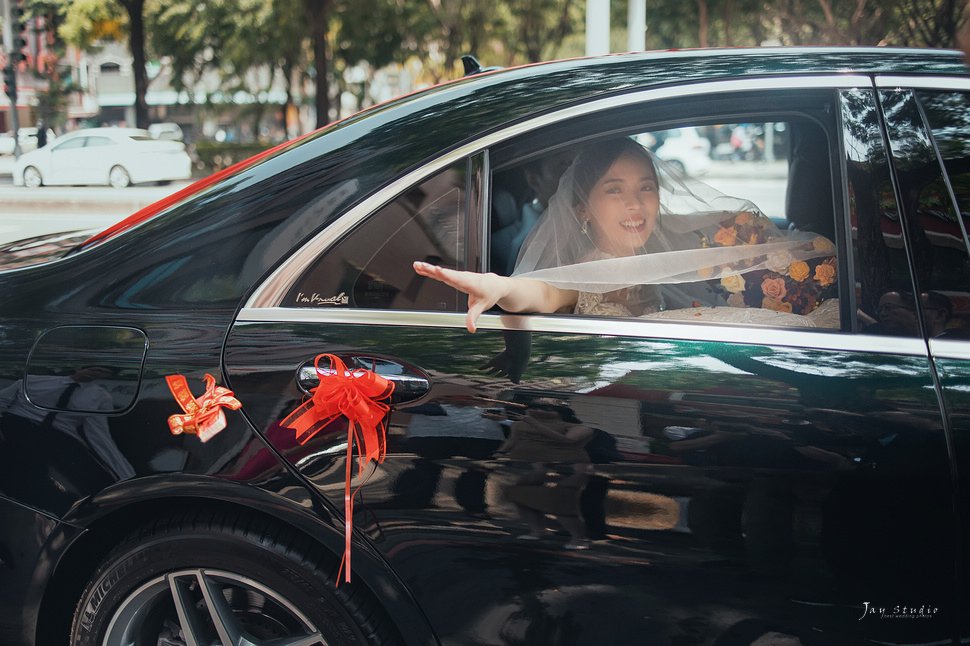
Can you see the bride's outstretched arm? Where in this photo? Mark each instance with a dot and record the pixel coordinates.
(511, 294)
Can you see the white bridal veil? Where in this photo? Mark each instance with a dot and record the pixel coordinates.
(701, 236)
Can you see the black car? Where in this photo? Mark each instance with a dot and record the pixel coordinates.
(732, 484)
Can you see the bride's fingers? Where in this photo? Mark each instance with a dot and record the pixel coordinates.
(449, 277)
(475, 308)
(460, 280)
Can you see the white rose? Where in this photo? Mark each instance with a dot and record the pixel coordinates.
(779, 261)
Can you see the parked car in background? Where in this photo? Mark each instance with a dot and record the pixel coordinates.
(553, 479)
(685, 149)
(115, 156)
(28, 140)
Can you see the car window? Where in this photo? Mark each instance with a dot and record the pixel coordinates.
(371, 266)
(936, 233)
(98, 141)
(783, 165)
(77, 142)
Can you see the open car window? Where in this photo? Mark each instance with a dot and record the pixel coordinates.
(783, 163)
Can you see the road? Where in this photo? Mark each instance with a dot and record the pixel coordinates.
(30, 212)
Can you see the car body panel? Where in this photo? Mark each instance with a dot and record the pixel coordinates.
(781, 457)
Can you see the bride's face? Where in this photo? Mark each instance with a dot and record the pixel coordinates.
(623, 205)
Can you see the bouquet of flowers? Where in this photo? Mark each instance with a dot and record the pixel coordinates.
(785, 284)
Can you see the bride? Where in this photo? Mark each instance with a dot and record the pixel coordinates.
(611, 236)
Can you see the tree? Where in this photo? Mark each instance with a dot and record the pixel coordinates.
(136, 43)
(318, 18)
(87, 22)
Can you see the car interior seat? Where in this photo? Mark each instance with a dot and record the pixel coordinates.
(808, 199)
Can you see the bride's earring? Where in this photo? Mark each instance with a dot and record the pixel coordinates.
(585, 227)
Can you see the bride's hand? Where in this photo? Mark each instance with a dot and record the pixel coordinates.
(484, 290)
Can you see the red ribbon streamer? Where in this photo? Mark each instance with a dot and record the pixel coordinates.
(358, 395)
(203, 415)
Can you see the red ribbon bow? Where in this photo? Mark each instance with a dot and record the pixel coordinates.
(358, 395)
(203, 415)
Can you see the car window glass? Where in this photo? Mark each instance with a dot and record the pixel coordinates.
(884, 301)
(936, 237)
(98, 141)
(784, 166)
(371, 266)
(77, 142)
(948, 114)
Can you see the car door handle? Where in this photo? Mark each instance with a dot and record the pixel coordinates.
(410, 382)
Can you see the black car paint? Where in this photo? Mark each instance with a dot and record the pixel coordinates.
(180, 279)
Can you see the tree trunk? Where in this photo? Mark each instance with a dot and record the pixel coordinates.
(318, 13)
(287, 70)
(136, 42)
(702, 23)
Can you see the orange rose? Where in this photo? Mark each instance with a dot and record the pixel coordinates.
(753, 239)
(798, 270)
(726, 237)
(825, 274)
(705, 272)
(744, 218)
(773, 288)
(776, 305)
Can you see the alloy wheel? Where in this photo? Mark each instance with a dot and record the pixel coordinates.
(32, 178)
(202, 607)
(118, 177)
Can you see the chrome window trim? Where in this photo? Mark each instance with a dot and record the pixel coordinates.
(950, 349)
(924, 82)
(271, 291)
(700, 332)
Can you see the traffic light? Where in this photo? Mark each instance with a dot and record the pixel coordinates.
(10, 82)
(18, 27)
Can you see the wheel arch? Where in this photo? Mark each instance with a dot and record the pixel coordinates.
(88, 542)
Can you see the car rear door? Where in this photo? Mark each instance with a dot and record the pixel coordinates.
(929, 123)
(568, 479)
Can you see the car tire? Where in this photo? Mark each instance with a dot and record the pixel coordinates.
(198, 571)
(119, 177)
(32, 177)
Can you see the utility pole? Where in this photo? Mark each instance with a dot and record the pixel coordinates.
(597, 27)
(11, 31)
(636, 23)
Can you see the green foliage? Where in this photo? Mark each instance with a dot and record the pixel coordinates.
(87, 22)
(249, 44)
(213, 156)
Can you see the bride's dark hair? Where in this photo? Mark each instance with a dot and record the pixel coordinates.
(594, 160)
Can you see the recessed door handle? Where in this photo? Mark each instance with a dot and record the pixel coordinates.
(410, 382)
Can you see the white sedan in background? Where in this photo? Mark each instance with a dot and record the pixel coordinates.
(115, 156)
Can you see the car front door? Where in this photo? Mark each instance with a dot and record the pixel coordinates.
(68, 162)
(567, 479)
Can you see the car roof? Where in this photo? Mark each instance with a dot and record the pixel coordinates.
(458, 111)
(118, 132)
